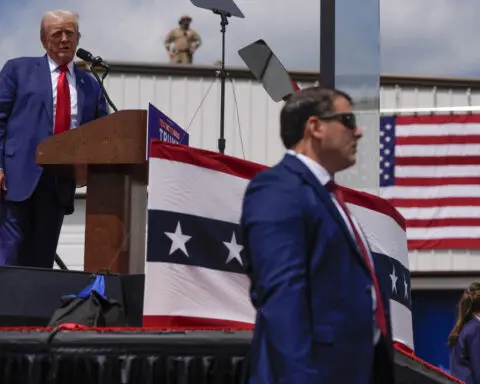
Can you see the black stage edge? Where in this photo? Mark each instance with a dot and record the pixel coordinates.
(30, 296)
(128, 357)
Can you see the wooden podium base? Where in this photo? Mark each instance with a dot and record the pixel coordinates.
(115, 220)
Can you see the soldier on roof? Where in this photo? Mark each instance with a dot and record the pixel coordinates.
(185, 42)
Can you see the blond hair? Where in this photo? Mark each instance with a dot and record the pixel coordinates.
(57, 16)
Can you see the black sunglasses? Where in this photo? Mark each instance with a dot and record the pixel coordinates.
(347, 119)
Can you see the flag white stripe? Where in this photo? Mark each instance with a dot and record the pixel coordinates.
(183, 290)
(188, 189)
(439, 212)
(435, 233)
(440, 171)
(401, 321)
(383, 234)
(437, 129)
(401, 192)
(437, 150)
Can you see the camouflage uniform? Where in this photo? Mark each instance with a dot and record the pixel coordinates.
(184, 41)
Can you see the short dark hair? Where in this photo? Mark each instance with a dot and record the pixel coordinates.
(313, 101)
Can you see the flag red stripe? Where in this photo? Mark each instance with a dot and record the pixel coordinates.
(205, 159)
(439, 119)
(402, 348)
(431, 182)
(444, 244)
(437, 140)
(433, 160)
(447, 222)
(438, 202)
(191, 323)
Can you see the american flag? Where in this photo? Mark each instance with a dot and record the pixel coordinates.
(194, 277)
(430, 171)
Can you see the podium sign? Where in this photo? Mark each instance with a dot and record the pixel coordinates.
(161, 127)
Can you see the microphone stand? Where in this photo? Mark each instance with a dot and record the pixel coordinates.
(100, 81)
(223, 75)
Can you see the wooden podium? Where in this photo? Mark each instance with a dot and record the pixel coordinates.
(109, 154)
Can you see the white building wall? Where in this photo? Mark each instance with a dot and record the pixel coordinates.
(251, 132)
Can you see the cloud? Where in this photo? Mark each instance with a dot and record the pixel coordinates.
(417, 36)
(431, 37)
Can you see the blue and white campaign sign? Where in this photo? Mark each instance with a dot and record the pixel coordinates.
(161, 127)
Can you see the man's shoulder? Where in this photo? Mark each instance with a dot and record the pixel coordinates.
(23, 61)
(277, 172)
(273, 194)
(276, 178)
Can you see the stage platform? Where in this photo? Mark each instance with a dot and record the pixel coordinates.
(30, 353)
(134, 356)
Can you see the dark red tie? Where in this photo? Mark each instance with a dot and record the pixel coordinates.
(62, 113)
(380, 312)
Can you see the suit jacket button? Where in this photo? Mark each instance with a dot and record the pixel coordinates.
(50, 133)
(368, 289)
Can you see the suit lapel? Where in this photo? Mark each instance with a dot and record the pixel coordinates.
(45, 79)
(80, 80)
(302, 170)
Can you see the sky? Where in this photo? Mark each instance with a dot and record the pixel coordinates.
(418, 37)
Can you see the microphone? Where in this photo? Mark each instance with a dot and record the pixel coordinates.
(89, 58)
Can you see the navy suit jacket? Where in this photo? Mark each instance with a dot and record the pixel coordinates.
(309, 283)
(465, 354)
(26, 119)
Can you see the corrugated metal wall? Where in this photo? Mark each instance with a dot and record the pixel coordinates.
(252, 130)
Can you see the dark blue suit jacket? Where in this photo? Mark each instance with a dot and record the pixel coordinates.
(26, 119)
(309, 283)
(465, 354)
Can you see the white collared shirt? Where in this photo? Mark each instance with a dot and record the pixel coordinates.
(324, 177)
(55, 72)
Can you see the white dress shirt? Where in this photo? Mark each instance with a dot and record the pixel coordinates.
(55, 72)
(324, 177)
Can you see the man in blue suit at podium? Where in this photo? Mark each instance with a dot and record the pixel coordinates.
(322, 317)
(40, 97)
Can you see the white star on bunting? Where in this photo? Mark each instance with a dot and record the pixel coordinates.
(234, 250)
(179, 240)
(405, 284)
(394, 280)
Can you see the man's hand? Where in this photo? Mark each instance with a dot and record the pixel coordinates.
(3, 186)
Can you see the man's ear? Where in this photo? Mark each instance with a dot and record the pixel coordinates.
(315, 127)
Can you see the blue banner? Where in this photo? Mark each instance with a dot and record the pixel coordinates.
(161, 127)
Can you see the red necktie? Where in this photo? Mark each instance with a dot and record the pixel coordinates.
(62, 113)
(380, 312)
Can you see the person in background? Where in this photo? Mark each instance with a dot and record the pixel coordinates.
(185, 42)
(464, 340)
(40, 97)
(322, 316)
